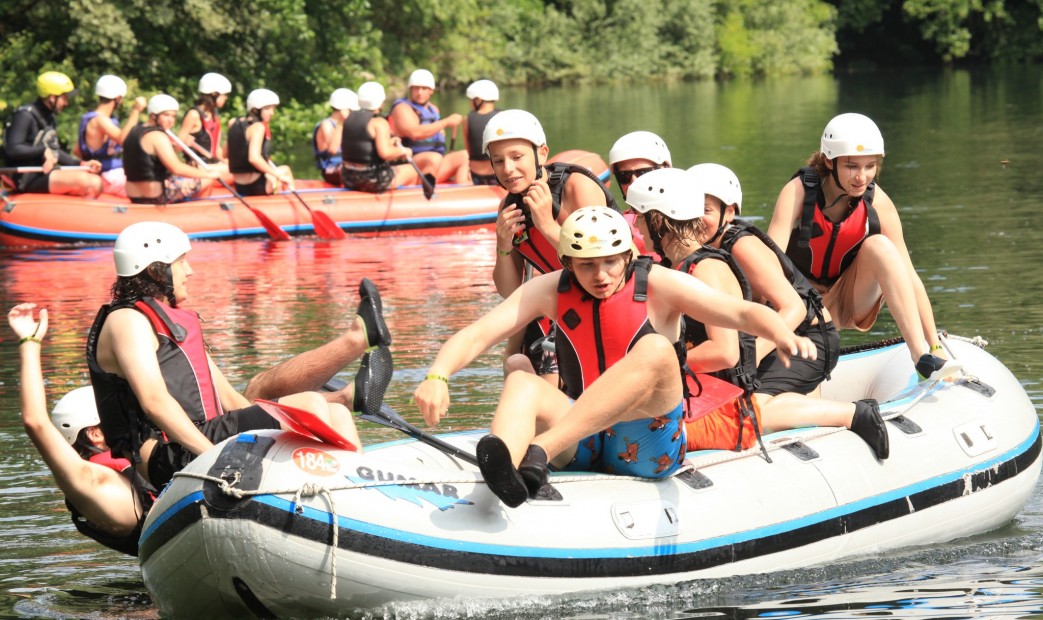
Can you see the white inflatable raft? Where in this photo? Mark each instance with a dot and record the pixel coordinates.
(305, 529)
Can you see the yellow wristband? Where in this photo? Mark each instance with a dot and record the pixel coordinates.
(502, 253)
(437, 378)
(936, 347)
(30, 339)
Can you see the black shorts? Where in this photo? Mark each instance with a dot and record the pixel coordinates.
(168, 458)
(257, 188)
(34, 183)
(803, 376)
(373, 179)
(483, 179)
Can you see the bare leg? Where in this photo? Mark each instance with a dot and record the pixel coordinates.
(428, 162)
(404, 175)
(792, 410)
(75, 183)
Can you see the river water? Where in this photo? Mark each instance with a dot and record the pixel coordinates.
(962, 166)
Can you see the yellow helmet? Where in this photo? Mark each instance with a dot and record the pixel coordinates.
(53, 83)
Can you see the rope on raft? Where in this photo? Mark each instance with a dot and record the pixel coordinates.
(977, 341)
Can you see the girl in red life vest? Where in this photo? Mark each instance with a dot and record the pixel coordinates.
(844, 234)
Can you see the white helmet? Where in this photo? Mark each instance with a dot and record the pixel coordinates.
(261, 98)
(720, 181)
(595, 231)
(485, 90)
(143, 243)
(639, 145)
(851, 134)
(110, 87)
(344, 99)
(371, 96)
(74, 412)
(212, 83)
(162, 103)
(421, 77)
(513, 124)
(673, 192)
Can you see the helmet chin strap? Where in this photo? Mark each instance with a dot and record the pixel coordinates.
(168, 288)
(657, 245)
(720, 227)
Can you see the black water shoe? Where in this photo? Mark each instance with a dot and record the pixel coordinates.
(371, 311)
(372, 381)
(870, 426)
(932, 367)
(494, 461)
(533, 469)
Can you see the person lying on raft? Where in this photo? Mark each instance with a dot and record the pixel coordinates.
(617, 318)
(686, 234)
(161, 399)
(368, 150)
(155, 174)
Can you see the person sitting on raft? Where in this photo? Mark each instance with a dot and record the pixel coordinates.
(201, 125)
(618, 318)
(326, 136)
(483, 96)
(31, 139)
(369, 151)
(844, 234)
(161, 399)
(155, 174)
(632, 155)
(539, 197)
(420, 125)
(686, 234)
(249, 148)
(101, 138)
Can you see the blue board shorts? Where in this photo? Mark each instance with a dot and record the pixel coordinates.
(649, 448)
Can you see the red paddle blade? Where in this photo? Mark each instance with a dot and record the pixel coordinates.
(305, 423)
(715, 392)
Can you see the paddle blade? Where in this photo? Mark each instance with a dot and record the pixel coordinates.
(429, 185)
(305, 423)
(326, 227)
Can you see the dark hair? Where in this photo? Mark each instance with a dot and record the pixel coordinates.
(209, 103)
(83, 445)
(149, 282)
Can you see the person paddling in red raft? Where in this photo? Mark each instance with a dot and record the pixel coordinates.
(618, 318)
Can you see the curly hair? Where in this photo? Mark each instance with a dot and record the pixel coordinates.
(152, 281)
(682, 230)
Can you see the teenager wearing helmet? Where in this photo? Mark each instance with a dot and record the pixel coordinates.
(31, 139)
(325, 137)
(843, 232)
(369, 150)
(162, 400)
(249, 148)
(420, 125)
(201, 126)
(618, 319)
(539, 197)
(632, 155)
(483, 96)
(99, 489)
(101, 137)
(155, 174)
(686, 233)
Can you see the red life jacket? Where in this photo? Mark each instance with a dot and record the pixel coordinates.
(593, 334)
(186, 372)
(106, 458)
(823, 249)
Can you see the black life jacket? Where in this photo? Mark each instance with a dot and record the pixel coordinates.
(744, 373)
(356, 145)
(823, 249)
(186, 372)
(239, 146)
(137, 164)
(593, 334)
(475, 129)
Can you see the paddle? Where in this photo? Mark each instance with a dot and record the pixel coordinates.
(29, 169)
(305, 423)
(276, 233)
(427, 180)
(390, 418)
(324, 224)
(452, 141)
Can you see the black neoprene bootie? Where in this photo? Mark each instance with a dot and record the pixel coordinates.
(494, 461)
(932, 367)
(371, 311)
(533, 469)
(372, 381)
(870, 426)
